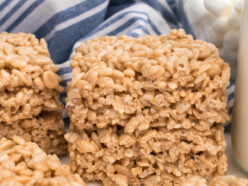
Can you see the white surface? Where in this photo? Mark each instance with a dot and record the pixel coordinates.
(232, 168)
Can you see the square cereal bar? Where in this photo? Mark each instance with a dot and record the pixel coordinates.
(150, 85)
(137, 82)
(30, 103)
(28, 79)
(24, 163)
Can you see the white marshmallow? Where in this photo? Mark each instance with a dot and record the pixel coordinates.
(220, 24)
(234, 20)
(239, 5)
(219, 7)
(231, 40)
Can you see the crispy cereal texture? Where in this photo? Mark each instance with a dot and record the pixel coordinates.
(147, 110)
(25, 61)
(24, 163)
(151, 157)
(47, 131)
(154, 79)
(217, 181)
(28, 79)
(30, 103)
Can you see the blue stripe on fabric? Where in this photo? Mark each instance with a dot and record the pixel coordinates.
(173, 6)
(61, 52)
(65, 15)
(184, 19)
(230, 111)
(115, 7)
(165, 13)
(228, 127)
(139, 27)
(133, 35)
(53, 47)
(4, 4)
(232, 83)
(12, 11)
(64, 70)
(126, 24)
(231, 96)
(63, 94)
(115, 19)
(64, 82)
(24, 14)
(143, 29)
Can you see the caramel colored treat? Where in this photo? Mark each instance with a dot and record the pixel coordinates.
(27, 103)
(25, 61)
(217, 181)
(149, 157)
(147, 110)
(154, 79)
(28, 80)
(30, 103)
(47, 131)
(24, 163)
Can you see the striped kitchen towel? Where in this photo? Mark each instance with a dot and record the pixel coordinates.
(65, 24)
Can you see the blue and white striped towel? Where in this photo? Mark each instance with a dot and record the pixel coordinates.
(65, 24)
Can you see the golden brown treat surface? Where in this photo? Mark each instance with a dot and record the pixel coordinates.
(153, 157)
(29, 87)
(24, 163)
(147, 110)
(28, 79)
(152, 79)
(25, 61)
(47, 131)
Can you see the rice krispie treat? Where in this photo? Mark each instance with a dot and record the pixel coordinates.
(217, 181)
(47, 131)
(147, 110)
(28, 79)
(30, 103)
(24, 163)
(153, 79)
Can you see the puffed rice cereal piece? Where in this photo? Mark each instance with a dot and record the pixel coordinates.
(24, 163)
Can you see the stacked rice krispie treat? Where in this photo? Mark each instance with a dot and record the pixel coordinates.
(147, 110)
(24, 163)
(29, 92)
